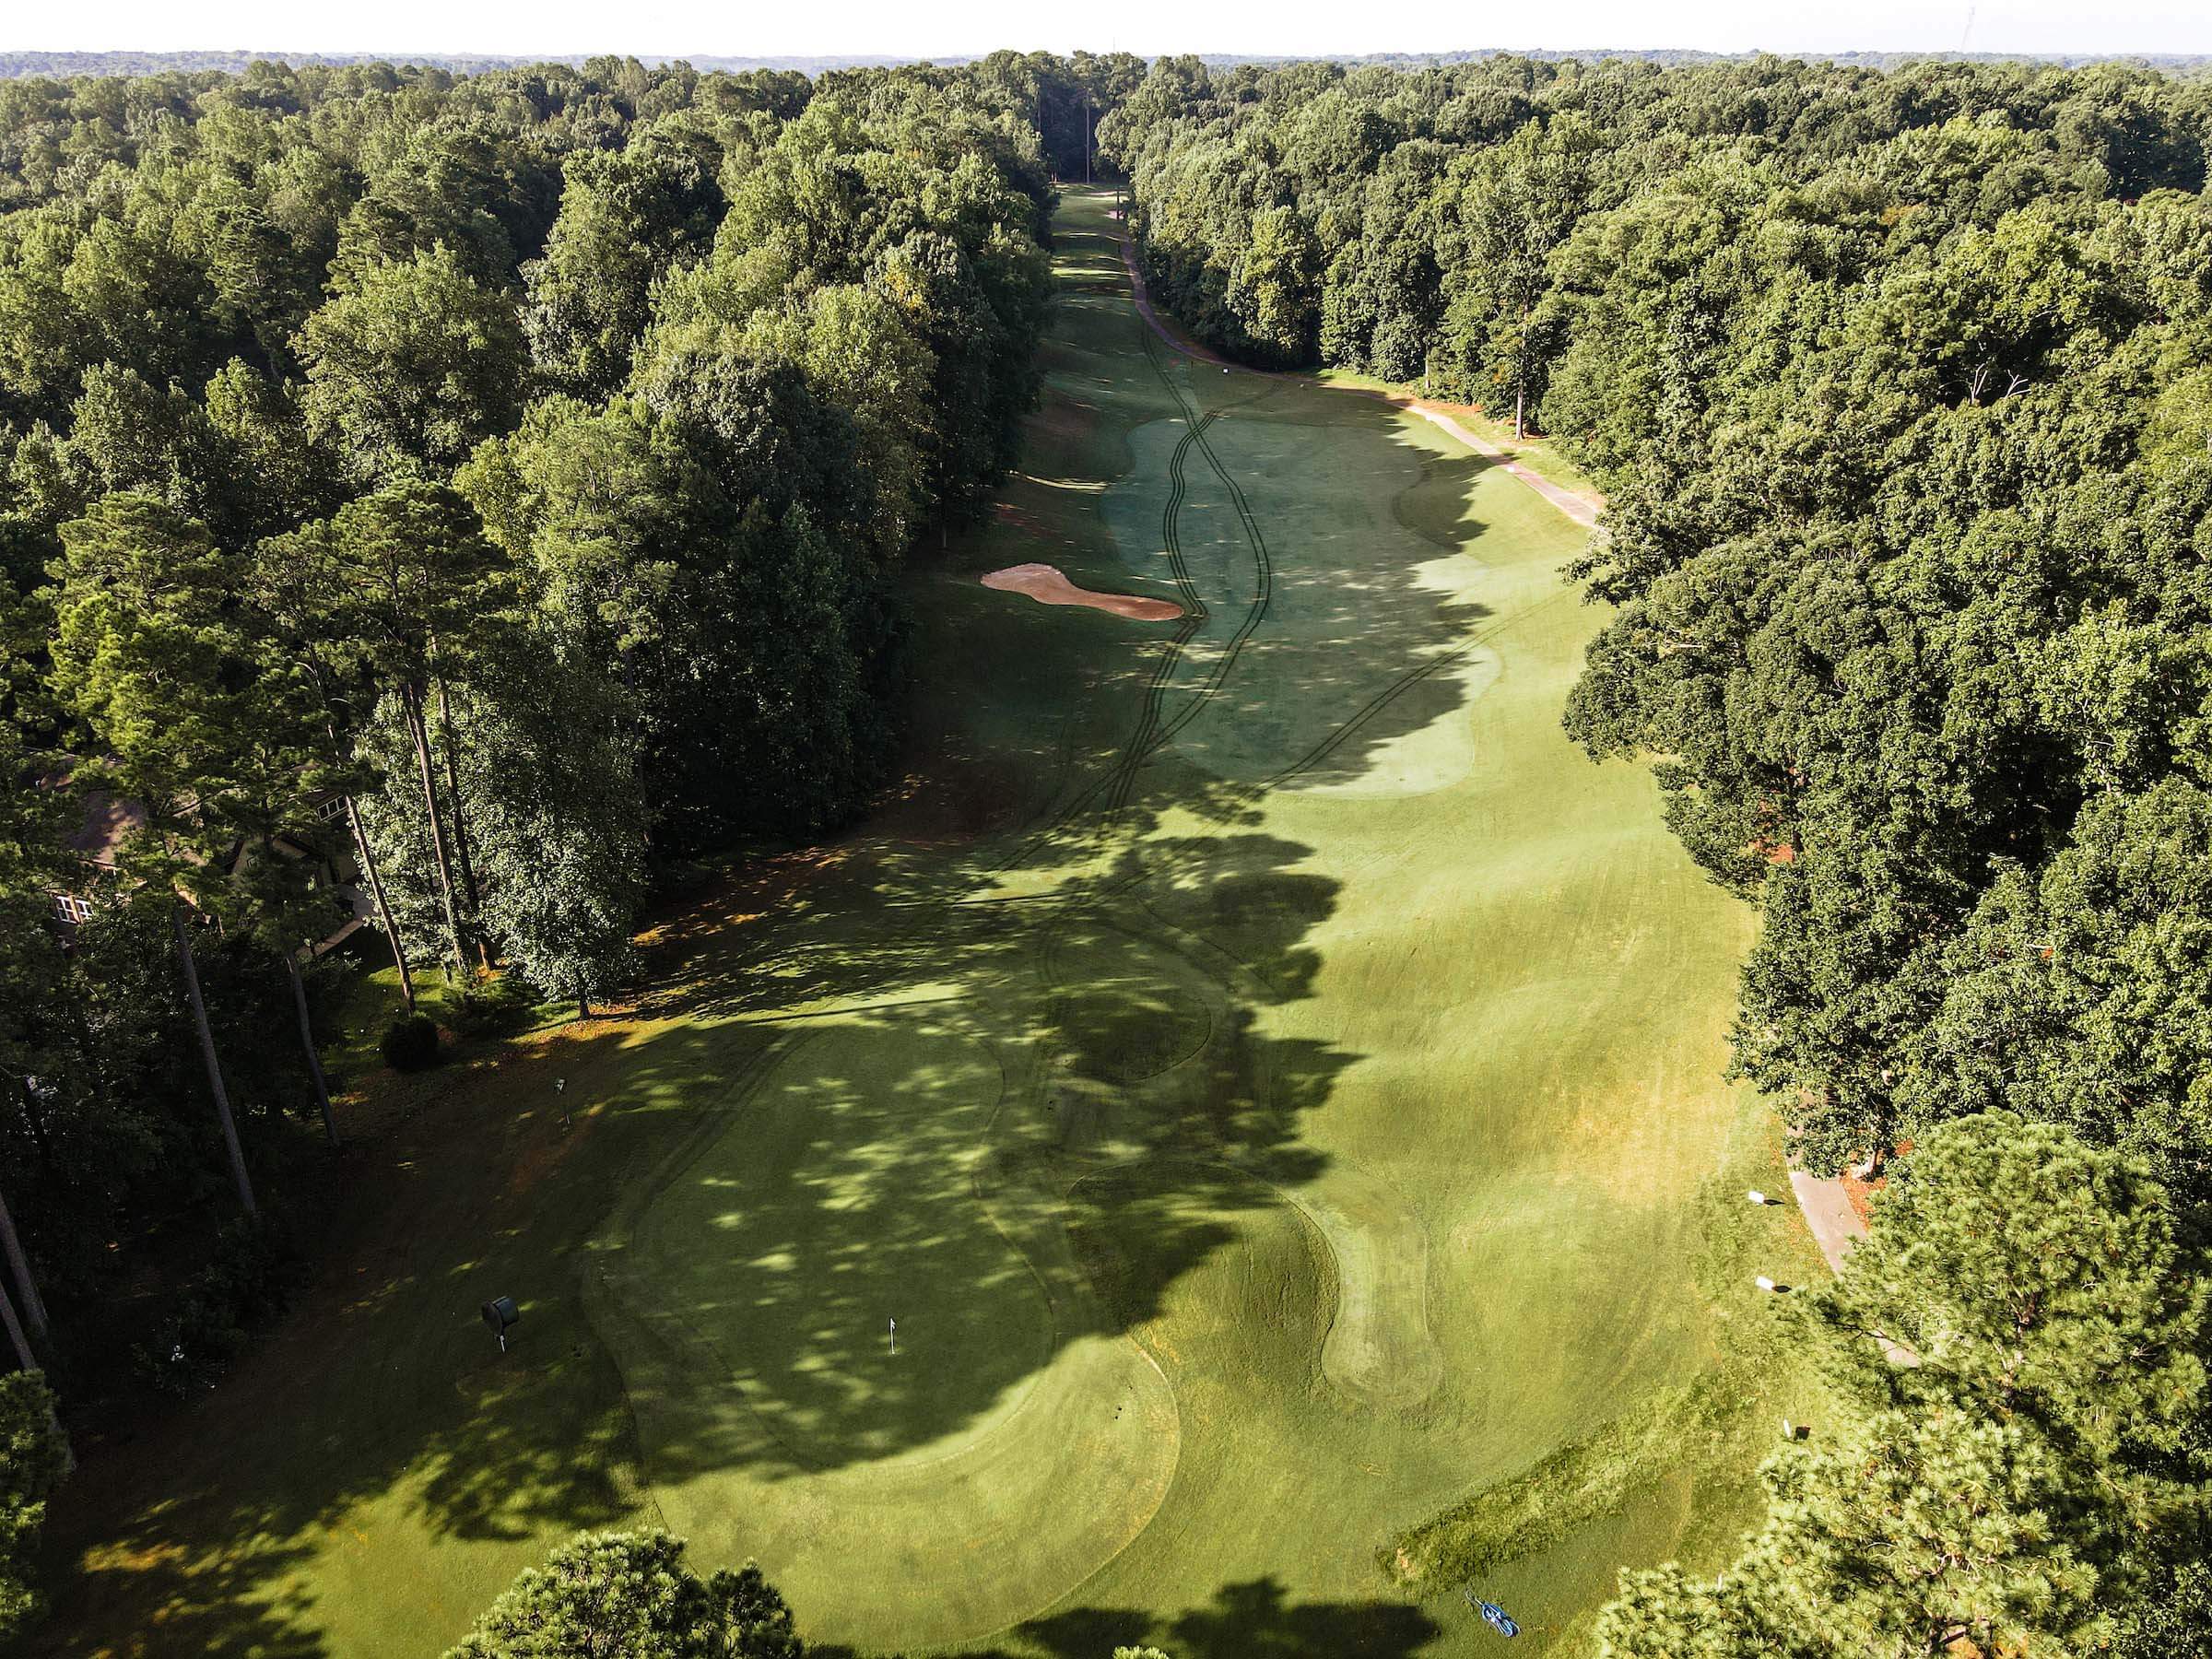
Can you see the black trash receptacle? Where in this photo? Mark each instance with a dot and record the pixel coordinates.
(501, 1312)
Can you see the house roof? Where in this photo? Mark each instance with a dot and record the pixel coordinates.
(109, 821)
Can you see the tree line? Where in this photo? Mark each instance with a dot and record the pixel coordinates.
(1899, 386)
(498, 483)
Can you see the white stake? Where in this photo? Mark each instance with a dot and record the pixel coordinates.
(894, 1336)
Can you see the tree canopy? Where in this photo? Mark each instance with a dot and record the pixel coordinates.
(631, 1595)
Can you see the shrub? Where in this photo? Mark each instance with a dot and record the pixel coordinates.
(496, 1008)
(34, 1459)
(249, 1279)
(411, 1042)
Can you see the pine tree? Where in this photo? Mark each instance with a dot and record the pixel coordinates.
(147, 656)
(385, 590)
(2014, 1489)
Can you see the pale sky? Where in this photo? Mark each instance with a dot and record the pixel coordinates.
(918, 28)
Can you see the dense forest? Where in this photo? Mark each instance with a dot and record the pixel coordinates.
(1899, 389)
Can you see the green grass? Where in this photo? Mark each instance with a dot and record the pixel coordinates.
(1270, 1076)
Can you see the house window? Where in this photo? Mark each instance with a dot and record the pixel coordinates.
(72, 909)
(330, 811)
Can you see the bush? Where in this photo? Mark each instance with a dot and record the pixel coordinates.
(249, 1279)
(497, 1008)
(34, 1459)
(411, 1042)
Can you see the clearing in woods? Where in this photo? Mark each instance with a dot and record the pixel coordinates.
(1269, 1075)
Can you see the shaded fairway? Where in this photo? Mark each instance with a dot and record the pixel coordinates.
(1269, 1076)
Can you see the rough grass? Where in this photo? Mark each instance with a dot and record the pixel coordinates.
(1704, 1433)
(1269, 1074)
(1566, 1491)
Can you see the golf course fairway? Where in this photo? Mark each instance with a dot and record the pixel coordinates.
(1272, 1078)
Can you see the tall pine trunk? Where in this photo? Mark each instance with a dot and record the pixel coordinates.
(215, 1067)
(452, 790)
(1521, 380)
(383, 905)
(411, 702)
(15, 1334)
(19, 1264)
(307, 1041)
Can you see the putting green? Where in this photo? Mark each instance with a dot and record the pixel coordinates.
(1271, 1077)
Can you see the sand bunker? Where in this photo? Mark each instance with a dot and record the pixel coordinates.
(1045, 584)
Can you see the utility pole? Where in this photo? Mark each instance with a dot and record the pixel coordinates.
(1085, 137)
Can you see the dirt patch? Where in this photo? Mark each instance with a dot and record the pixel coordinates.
(1861, 1195)
(1047, 586)
(1860, 1189)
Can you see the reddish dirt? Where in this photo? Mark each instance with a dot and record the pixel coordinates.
(1861, 1193)
(1045, 583)
(1861, 1190)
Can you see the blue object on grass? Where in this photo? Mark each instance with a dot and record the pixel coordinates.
(1492, 1614)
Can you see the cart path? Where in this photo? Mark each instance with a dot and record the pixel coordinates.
(1836, 1225)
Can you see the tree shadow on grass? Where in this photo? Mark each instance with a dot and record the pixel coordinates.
(994, 1023)
(201, 1531)
(1252, 1620)
(1257, 1619)
(920, 1150)
(185, 1602)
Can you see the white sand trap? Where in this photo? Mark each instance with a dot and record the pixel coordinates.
(1045, 583)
